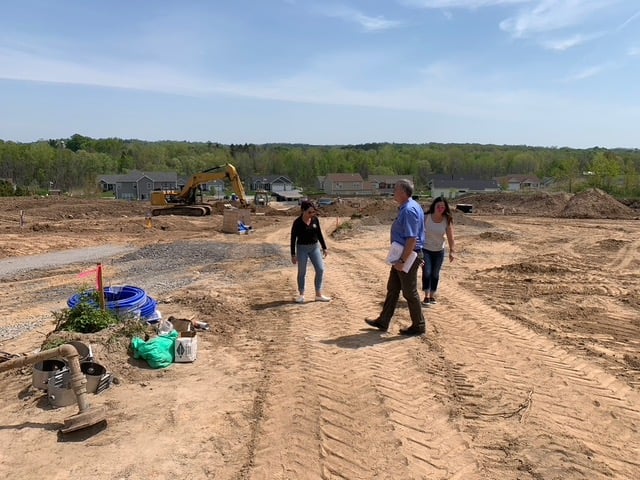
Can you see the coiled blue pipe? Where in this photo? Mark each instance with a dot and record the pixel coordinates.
(121, 300)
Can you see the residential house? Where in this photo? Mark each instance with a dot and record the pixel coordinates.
(138, 185)
(517, 182)
(448, 186)
(345, 184)
(279, 186)
(272, 183)
(385, 184)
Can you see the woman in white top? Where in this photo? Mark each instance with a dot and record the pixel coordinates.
(438, 224)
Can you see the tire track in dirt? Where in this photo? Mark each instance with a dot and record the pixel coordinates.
(428, 444)
(557, 407)
(346, 401)
(593, 310)
(286, 409)
(309, 410)
(624, 257)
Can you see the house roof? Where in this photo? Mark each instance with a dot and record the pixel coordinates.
(389, 178)
(289, 194)
(271, 179)
(343, 177)
(136, 175)
(522, 179)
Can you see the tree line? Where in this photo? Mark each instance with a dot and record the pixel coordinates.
(73, 164)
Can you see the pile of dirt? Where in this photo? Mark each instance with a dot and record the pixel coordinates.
(542, 204)
(595, 203)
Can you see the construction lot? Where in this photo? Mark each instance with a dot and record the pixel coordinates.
(530, 368)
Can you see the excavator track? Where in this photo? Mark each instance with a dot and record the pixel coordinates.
(185, 210)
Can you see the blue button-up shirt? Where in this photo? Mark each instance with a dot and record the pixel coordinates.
(409, 224)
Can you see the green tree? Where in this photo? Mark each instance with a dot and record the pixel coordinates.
(605, 166)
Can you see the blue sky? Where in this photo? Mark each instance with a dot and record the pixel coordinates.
(517, 72)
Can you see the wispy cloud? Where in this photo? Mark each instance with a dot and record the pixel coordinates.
(589, 72)
(562, 44)
(38, 67)
(348, 14)
(550, 15)
(470, 4)
(432, 92)
(629, 20)
(634, 52)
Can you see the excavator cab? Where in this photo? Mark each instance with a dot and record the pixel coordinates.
(261, 198)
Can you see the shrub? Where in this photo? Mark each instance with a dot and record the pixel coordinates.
(85, 317)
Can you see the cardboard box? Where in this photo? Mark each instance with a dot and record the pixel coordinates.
(181, 324)
(186, 348)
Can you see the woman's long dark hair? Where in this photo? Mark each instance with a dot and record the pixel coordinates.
(447, 211)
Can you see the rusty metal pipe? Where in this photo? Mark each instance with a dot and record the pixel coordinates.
(85, 417)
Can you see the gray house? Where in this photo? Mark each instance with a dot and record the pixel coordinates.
(137, 185)
(385, 184)
(279, 186)
(448, 186)
(272, 183)
(517, 182)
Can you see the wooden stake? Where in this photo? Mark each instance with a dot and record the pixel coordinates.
(100, 286)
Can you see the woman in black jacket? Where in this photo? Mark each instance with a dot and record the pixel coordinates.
(307, 243)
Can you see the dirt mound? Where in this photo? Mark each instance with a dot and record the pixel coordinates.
(595, 203)
(542, 204)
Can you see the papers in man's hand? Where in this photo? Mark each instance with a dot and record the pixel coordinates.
(395, 254)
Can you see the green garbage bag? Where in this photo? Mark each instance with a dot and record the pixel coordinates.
(159, 352)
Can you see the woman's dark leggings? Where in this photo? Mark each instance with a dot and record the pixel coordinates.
(431, 270)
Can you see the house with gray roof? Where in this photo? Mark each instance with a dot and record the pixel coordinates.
(385, 184)
(280, 186)
(137, 185)
(272, 183)
(519, 182)
(448, 186)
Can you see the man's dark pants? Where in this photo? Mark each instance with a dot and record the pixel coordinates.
(407, 283)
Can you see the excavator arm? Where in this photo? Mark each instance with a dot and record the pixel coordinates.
(221, 172)
(185, 202)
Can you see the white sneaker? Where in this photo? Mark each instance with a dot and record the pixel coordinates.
(300, 299)
(322, 298)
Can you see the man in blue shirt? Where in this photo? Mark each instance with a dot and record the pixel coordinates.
(408, 231)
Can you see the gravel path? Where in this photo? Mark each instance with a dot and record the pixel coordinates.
(158, 269)
(16, 265)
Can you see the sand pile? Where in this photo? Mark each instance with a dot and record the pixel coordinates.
(543, 204)
(595, 203)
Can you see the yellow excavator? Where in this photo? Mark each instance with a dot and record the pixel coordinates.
(189, 200)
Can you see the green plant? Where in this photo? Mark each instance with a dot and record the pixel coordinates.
(120, 336)
(53, 343)
(85, 317)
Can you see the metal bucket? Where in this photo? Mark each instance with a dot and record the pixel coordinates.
(84, 350)
(42, 372)
(94, 373)
(59, 390)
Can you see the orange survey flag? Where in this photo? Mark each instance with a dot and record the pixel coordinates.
(98, 273)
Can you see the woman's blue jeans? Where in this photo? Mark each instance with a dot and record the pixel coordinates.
(431, 270)
(313, 253)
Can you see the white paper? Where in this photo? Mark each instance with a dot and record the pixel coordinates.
(395, 254)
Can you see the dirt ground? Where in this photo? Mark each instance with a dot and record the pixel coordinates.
(530, 368)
